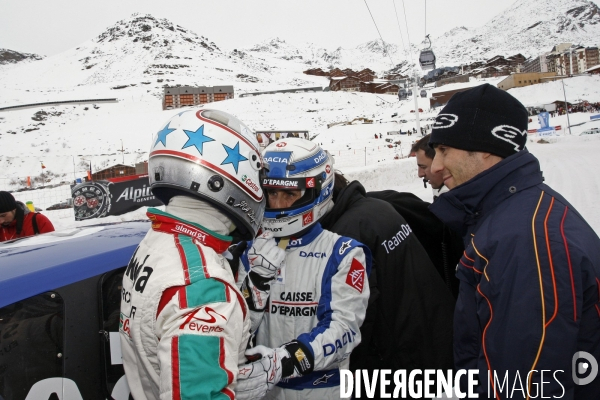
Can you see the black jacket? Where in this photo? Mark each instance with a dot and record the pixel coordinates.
(443, 245)
(409, 318)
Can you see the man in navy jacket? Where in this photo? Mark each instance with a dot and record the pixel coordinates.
(528, 309)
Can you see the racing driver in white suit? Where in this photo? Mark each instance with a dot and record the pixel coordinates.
(314, 296)
(184, 324)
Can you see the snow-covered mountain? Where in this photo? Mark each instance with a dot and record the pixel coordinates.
(530, 27)
(143, 51)
(12, 57)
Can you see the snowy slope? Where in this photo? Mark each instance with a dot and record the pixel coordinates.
(530, 27)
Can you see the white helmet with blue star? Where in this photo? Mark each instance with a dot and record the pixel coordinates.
(211, 155)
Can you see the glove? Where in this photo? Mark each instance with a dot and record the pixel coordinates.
(258, 377)
(265, 257)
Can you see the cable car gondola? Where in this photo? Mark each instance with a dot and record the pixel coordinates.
(402, 94)
(427, 57)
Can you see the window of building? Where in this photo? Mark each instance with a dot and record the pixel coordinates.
(31, 343)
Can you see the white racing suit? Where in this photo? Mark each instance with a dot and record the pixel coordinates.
(319, 298)
(183, 323)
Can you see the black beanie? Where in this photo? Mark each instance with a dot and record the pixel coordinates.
(7, 202)
(483, 118)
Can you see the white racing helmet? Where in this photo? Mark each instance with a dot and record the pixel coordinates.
(213, 156)
(297, 164)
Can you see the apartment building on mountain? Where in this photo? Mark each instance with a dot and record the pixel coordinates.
(537, 64)
(181, 96)
(572, 60)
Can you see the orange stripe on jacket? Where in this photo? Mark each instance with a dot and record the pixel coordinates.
(537, 258)
(551, 263)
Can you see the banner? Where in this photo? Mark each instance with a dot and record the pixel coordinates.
(544, 120)
(99, 199)
(546, 132)
(266, 138)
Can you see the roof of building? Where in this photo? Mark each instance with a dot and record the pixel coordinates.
(594, 68)
(461, 85)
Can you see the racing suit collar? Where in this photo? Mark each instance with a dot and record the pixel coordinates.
(167, 223)
(305, 239)
(199, 212)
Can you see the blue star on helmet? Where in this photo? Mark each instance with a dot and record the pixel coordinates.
(197, 139)
(233, 156)
(162, 135)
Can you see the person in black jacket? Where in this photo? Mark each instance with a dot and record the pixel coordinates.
(409, 317)
(443, 245)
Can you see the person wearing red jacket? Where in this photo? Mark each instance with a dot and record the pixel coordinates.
(16, 221)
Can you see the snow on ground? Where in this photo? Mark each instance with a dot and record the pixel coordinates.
(577, 88)
(66, 143)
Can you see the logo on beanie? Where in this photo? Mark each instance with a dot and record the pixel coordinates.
(511, 135)
(443, 121)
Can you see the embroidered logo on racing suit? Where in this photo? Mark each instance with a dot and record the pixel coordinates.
(209, 320)
(345, 246)
(356, 275)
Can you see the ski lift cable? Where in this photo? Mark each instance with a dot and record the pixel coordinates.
(407, 32)
(399, 27)
(382, 42)
(426, 18)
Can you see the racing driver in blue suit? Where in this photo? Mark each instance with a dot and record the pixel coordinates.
(308, 285)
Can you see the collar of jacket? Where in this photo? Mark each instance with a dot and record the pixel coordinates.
(345, 198)
(306, 238)
(168, 223)
(463, 207)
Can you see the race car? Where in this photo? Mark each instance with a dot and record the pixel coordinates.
(60, 296)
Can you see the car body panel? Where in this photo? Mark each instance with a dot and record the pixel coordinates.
(82, 270)
(34, 265)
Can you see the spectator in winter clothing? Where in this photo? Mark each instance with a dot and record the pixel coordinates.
(409, 317)
(424, 155)
(530, 274)
(16, 221)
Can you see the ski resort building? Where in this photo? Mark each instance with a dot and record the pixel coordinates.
(181, 96)
(525, 79)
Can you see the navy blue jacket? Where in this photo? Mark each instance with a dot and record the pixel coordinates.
(529, 281)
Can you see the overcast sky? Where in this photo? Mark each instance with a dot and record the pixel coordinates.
(50, 27)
